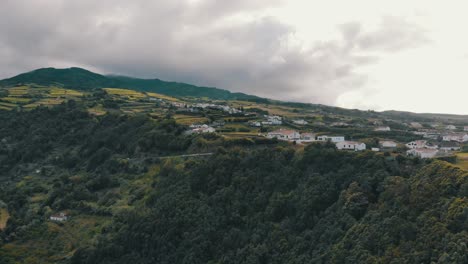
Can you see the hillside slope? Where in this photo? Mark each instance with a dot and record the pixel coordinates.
(252, 203)
(77, 78)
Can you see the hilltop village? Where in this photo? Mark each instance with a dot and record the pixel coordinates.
(299, 124)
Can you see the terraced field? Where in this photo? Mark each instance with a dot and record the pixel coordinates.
(462, 161)
(188, 120)
(3, 217)
(125, 93)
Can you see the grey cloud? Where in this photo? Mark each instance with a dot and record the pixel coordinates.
(393, 34)
(176, 40)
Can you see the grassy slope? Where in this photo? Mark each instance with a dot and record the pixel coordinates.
(3, 217)
(77, 78)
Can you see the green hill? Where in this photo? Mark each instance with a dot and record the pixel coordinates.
(77, 78)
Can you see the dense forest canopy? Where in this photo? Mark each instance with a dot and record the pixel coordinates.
(250, 202)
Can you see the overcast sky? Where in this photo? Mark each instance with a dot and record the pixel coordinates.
(367, 54)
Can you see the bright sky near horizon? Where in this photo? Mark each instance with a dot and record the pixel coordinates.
(367, 54)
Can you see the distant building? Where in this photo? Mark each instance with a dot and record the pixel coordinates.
(418, 144)
(202, 129)
(449, 146)
(300, 122)
(375, 149)
(422, 153)
(431, 135)
(465, 128)
(451, 127)
(255, 124)
(388, 144)
(382, 129)
(218, 123)
(273, 120)
(59, 217)
(350, 145)
(333, 139)
(339, 124)
(284, 134)
(455, 137)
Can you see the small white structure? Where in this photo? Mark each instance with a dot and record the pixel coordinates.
(202, 129)
(273, 120)
(350, 145)
(451, 127)
(255, 124)
(455, 137)
(59, 217)
(382, 129)
(333, 139)
(432, 135)
(449, 146)
(300, 122)
(465, 128)
(388, 144)
(418, 144)
(422, 153)
(339, 124)
(284, 134)
(375, 149)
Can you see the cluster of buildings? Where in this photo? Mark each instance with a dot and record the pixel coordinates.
(426, 149)
(272, 120)
(196, 107)
(340, 142)
(446, 138)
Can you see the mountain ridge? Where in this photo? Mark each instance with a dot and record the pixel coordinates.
(82, 79)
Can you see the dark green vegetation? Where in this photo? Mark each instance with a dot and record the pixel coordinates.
(251, 202)
(111, 159)
(77, 78)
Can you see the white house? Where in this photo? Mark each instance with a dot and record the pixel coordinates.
(451, 127)
(59, 217)
(431, 135)
(418, 144)
(455, 137)
(339, 124)
(388, 144)
(375, 149)
(284, 134)
(255, 124)
(449, 146)
(382, 129)
(273, 120)
(300, 122)
(422, 153)
(333, 139)
(202, 129)
(350, 145)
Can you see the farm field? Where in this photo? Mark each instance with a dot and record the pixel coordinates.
(462, 161)
(130, 94)
(164, 97)
(4, 215)
(66, 238)
(188, 120)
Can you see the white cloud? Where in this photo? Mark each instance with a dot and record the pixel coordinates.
(363, 53)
